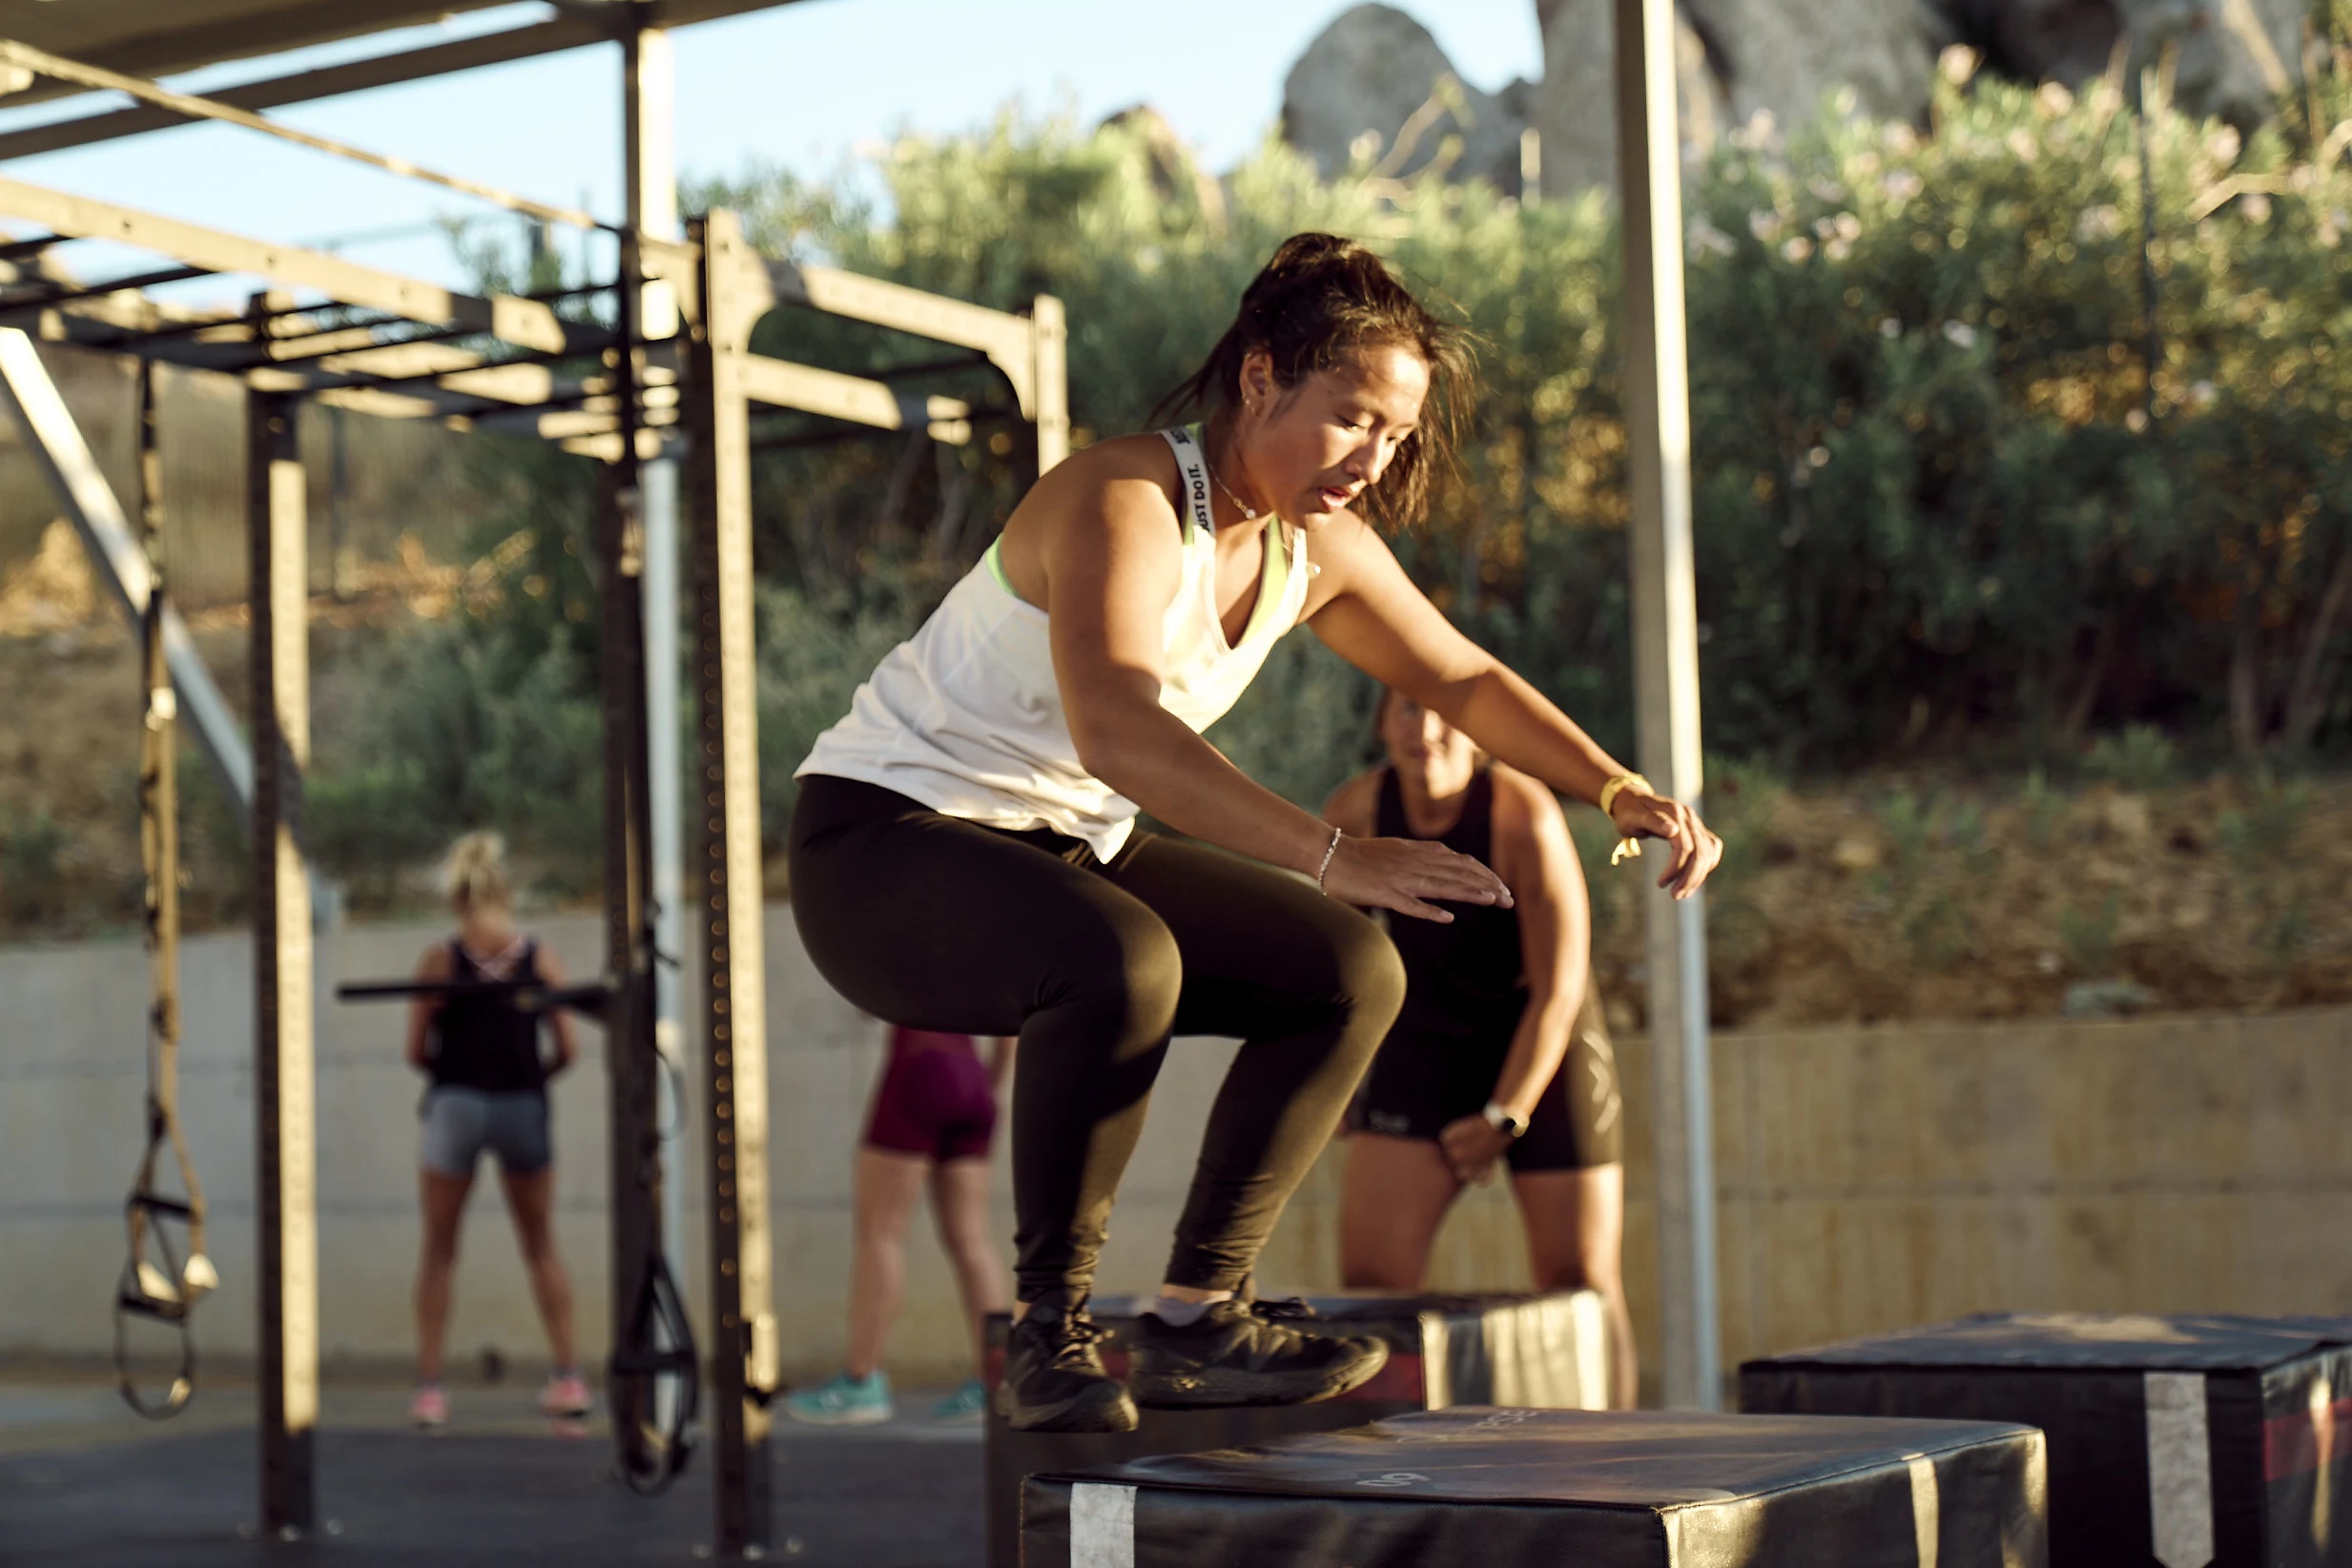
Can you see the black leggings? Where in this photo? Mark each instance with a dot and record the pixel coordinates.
(933, 922)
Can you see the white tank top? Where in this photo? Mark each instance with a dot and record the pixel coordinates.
(967, 718)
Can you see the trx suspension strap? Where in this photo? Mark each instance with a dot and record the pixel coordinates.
(156, 1281)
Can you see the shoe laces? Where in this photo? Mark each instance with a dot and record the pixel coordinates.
(1278, 1309)
(1073, 1336)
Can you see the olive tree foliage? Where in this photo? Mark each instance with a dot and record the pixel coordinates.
(1998, 432)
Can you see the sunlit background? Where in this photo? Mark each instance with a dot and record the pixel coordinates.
(803, 87)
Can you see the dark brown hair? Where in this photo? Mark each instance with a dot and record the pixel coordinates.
(1318, 303)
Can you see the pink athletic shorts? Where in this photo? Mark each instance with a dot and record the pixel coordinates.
(935, 1098)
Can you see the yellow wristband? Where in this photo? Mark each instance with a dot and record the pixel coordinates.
(1627, 848)
(1616, 786)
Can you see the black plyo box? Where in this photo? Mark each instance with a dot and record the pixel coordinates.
(1535, 1351)
(1563, 1489)
(2180, 1441)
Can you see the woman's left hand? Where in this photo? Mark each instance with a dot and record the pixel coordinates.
(1471, 1146)
(1692, 849)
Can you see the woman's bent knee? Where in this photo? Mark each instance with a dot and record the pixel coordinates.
(1125, 976)
(1372, 979)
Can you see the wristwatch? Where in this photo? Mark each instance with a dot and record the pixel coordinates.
(1510, 1126)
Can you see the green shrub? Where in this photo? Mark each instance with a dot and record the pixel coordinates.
(2139, 758)
(32, 851)
(488, 717)
(2089, 937)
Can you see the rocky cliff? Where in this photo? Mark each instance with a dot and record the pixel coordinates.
(1376, 87)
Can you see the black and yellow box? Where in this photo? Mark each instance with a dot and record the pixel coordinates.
(1487, 1488)
(2184, 1442)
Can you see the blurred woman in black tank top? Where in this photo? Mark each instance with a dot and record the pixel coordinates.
(488, 1096)
(1500, 1054)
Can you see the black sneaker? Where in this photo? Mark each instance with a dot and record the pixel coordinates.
(1054, 1379)
(1241, 1353)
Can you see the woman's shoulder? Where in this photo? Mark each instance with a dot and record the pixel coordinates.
(1142, 455)
(1355, 804)
(1129, 478)
(1524, 806)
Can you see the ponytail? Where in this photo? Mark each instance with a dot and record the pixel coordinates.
(474, 876)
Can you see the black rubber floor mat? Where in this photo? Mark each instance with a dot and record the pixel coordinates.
(866, 1500)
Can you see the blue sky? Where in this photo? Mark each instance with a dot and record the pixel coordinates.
(804, 85)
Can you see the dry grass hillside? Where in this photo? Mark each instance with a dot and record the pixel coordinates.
(69, 737)
(1905, 896)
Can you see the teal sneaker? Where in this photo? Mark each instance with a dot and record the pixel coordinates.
(843, 1401)
(966, 1404)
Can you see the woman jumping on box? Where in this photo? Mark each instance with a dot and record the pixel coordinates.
(963, 856)
(1500, 1054)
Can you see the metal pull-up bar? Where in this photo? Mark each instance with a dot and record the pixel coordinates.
(41, 63)
(1027, 350)
(527, 324)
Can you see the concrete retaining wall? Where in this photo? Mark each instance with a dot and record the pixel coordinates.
(1870, 1177)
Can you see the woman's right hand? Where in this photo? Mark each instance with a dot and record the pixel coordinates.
(1412, 877)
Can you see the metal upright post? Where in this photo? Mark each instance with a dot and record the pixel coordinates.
(631, 1061)
(1666, 634)
(731, 295)
(287, 1189)
(652, 209)
(1051, 336)
(634, 1169)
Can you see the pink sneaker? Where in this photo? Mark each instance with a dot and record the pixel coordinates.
(565, 1395)
(429, 1409)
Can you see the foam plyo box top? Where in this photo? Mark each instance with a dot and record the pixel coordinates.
(1563, 1489)
(1547, 1350)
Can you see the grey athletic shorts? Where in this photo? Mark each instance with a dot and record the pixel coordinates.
(460, 1123)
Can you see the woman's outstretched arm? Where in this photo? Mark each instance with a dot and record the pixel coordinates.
(1368, 612)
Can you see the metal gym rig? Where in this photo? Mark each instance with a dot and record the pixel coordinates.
(666, 372)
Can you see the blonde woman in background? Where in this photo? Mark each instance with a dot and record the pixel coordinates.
(488, 1093)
